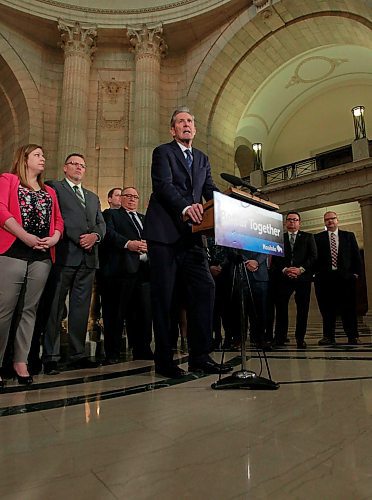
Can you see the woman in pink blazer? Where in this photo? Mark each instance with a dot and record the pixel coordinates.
(30, 226)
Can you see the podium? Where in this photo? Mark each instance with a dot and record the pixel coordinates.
(234, 218)
(207, 226)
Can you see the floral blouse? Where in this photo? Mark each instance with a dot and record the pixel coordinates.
(36, 212)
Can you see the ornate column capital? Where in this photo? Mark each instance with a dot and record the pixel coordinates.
(77, 39)
(147, 40)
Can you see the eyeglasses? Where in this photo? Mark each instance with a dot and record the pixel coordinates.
(293, 220)
(330, 218)
(131, 196)
(76, 163)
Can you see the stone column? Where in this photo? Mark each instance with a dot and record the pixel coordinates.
(149, 47)
(79, 45)
(366, 208)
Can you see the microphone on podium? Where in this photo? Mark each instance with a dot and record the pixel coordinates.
(237, 181)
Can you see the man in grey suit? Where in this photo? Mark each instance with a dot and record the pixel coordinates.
(76, 262)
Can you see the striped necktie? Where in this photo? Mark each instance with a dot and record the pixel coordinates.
(79, 195)
(136, 223)
(334, 251)
(189, 160)
(292, 240)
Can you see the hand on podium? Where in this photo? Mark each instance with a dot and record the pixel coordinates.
(194, 213)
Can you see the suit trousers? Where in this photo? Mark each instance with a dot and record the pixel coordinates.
(190, 265)
(16, 273)
(127, 298)
(336, 294)
(78, 282)
(283, 292)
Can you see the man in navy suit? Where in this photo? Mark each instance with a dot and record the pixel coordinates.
(337, 269)
(293, 274)
(125, 280)
(76, 263)
(181, 178)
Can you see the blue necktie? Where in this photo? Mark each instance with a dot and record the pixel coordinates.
(189, 160)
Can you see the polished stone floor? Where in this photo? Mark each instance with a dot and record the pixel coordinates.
(121, 432)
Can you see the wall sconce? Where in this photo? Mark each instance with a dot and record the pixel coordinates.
(257, 152)
(359, 123)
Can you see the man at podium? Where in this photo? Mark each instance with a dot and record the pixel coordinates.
(181, 178)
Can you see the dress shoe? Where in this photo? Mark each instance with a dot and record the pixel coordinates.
(301, 344)
(23, 379)
(172, 371)
(326, 341)
(354, 341)
(51, 368)
(141, 355)
(83, 363)
(278, 343)
(208, 365)
(111, 361)
(26, 378)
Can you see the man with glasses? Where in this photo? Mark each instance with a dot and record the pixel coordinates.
(76, 263)
(125, 280)
(337, 269)
(293, 274)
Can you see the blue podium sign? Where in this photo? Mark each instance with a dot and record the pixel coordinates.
(242, 225)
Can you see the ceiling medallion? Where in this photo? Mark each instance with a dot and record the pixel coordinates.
(322, 65)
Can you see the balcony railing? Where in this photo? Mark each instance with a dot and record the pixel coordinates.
(291, 171)
(327, 159)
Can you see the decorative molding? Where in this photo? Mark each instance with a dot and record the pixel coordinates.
(77, 38)
(147, 40)
(143, 10)
(262, 4)
(113, 98)
(297, 78)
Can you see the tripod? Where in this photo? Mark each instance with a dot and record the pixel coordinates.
(244, 378)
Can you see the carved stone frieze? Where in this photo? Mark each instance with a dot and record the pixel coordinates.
(77, 39)
(113, 107)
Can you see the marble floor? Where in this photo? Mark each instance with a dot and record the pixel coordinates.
(121, 432)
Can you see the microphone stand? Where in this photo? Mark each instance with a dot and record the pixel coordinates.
(244, 378)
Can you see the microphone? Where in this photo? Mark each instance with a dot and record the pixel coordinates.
(237, 181)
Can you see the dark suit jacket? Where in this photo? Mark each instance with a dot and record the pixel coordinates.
(173, 190)
(115, 260)
(262, 273)
(348, 257)
(78, 221)
(304, 255)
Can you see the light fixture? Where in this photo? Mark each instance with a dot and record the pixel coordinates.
(359, 123)
(257, 151)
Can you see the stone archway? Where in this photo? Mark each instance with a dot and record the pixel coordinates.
(252, 49)
(21, 118)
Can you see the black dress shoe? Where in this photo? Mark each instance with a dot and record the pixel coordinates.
(209, 366)
(301, 344)
(111, 361)
(278, 343)
(326, 341)
(172, 371)
(51, 368)
(142, 355)
(354, 341)
(23, 379)
(82, 363)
